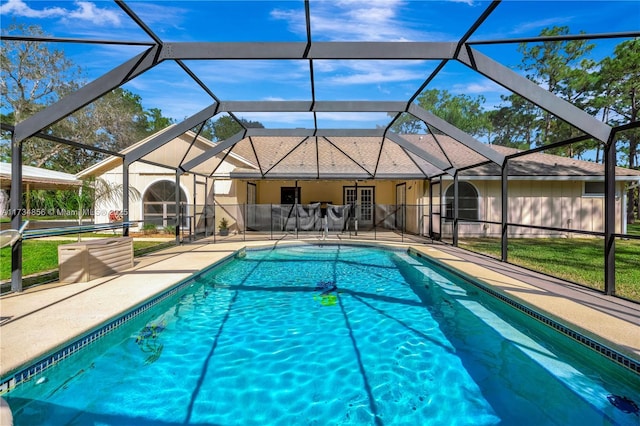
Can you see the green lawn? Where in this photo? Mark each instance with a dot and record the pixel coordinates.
(580, 260)
(42, 255)
(634, 228)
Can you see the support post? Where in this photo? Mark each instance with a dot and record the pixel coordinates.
(15, 204)
(213, 203)
(295, 206)
(609, 217)
(206, 207)
(430, 209)
(441, 218)
(356, 212)
(456, 194)
(125, 199)
(504, 199)
(177, 200)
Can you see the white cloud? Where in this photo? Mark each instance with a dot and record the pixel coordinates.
(526, 27)
(272, 119)
(88, 11)
(84, 11)
(478, 88)
(467, 2)
(378, 74)
(20, 8)
(373, 77)
(368, 117)
(354, 20)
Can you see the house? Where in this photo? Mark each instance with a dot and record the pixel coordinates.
(264, 183)
(34, 178)
(152, 192)
(544, 190)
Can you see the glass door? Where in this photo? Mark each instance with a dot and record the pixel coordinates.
(362, 197)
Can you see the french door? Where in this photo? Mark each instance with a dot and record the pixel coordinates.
(363, 198)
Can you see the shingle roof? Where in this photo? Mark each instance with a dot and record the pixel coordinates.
(539, 165)
(374, 157)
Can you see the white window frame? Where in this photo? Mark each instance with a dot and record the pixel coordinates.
(586, 194)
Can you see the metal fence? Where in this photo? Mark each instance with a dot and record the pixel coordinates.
(273, 221)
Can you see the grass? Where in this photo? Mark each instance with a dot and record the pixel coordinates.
(42, 255)
(580, 260)
(633, 228)
(573, 259)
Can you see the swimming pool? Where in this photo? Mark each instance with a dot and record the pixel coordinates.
(330, 334)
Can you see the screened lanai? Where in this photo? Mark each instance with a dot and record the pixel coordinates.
(313, 128)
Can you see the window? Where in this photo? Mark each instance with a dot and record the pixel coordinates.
(159, 204)
(288, 194)
(594, 189)
(467, 201)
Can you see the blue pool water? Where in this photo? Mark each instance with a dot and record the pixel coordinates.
(329, 335)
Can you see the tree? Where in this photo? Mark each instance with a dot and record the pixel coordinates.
(619, 84)
(513, 124)
(226, 126)
(462, 111)
(156, 121)
(407, 124)
(34, 77)
(561, 67)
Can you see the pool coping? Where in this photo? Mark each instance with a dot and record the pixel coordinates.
(194, 258)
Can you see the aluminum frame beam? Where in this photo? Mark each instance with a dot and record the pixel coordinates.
(86, 94)
(305, 50)
(220, 146)
(447, 168)
(167, 136)
(451, 130)
(315, 132)
(532, 92)
(311, 106)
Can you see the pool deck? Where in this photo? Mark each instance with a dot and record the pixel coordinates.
(41, 319)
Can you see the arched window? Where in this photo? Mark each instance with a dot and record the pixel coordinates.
(467, 201)
(159, 204)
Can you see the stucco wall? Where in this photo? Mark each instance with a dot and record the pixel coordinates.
(555, 204)
(142, 176)
(268, 192)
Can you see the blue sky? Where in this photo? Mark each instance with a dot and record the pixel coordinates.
(169, 88)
